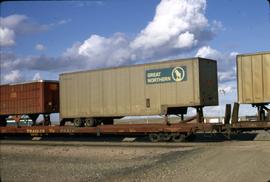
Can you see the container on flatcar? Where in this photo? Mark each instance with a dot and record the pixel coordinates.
(167, 87)
(29, 98)
(253, 78)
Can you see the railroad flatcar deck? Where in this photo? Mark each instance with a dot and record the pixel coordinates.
(157, 132)
(112, 129)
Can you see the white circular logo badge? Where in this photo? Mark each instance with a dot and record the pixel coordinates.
(178, 74)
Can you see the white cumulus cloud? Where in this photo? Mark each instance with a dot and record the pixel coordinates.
(185, 40)
(40, 47)
(103, 51)
(12, 21)
(37, 76)
(7, 37)
(178, 27)
(173, 18)
(17, 24)
(13, 76)
(208, 52)
(9, 26)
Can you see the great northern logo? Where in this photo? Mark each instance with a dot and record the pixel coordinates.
(178, 74)
(164, 75)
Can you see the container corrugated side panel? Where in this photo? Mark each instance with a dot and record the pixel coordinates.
(246, 81)
(109, 92)
(123, 91)
(257, 78)
(96, 87)
(137, 89)
(67, 95)
(4, 94)
(29, 98)
(266, 78)
(83, 96)
(253, 78)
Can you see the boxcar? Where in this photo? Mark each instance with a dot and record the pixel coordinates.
(253, 80)
(160, 88)
(29, 98)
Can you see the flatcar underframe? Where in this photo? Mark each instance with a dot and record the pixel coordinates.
(156, 132)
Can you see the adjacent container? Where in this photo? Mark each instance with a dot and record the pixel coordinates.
(37, 97)
(253, 78)
(146, 89)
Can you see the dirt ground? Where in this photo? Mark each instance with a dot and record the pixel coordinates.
(96, 161)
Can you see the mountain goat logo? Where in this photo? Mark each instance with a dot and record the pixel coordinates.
(178, 74)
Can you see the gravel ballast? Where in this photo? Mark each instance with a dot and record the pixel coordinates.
(216, 161)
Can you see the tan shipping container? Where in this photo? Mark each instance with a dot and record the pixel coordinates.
(146, 89)
(253, 78)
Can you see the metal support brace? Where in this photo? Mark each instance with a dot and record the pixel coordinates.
(182, 117)
(227, 121)
(166, 120)
(227, 117)
(199, 114)
(235, 112)
(268, 113)
(98, 131)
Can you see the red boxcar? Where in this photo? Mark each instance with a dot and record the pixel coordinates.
(31, 98)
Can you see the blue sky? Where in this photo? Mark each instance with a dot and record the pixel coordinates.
(86, 18)
(41, 39)
(245, 22)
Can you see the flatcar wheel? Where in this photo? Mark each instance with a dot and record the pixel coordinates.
(78, 122)
(165, 136)
(90, 122)
(154, 137)
(178, 137)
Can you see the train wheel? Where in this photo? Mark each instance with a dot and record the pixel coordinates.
(90, 122)
(78, 122)
(154, 137)
(178, 137)
(165, 136)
